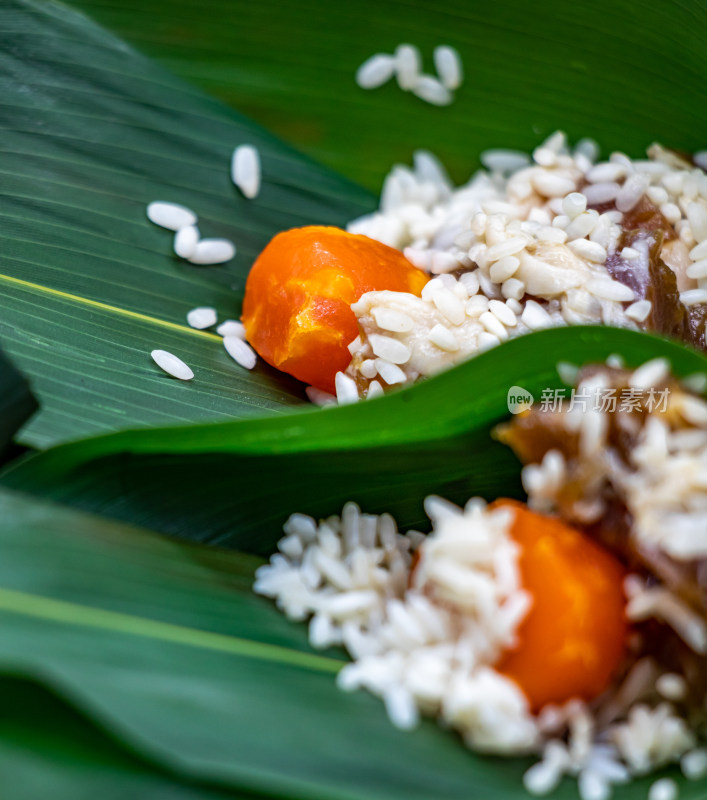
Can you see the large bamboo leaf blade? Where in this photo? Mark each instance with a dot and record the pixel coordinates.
(204, 689)
(214, 703)
(236, 483)
(67, 757)
(16, 401)
(92, 132)
(185, 693)
(624, 74)
(99, 375)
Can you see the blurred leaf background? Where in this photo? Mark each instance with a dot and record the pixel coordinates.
(132, 665)
(623, 73)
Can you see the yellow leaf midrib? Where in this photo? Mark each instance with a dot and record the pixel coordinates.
(65, 612)
(97, 304)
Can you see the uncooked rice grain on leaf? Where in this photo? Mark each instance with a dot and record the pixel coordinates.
(172, 365)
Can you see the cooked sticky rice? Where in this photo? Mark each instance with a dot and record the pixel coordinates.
(559, 238)
(426, 617)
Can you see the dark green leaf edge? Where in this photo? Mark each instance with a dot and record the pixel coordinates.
(234, 484)
(17, 403)
(464, 398)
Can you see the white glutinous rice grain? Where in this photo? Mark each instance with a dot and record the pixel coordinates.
(663, 789)
(600, 193)
(432, 91)
(374, 390)
(241, 352)
(391, 349)
(693, 297)
(671, 686)
(375, 71)
(639, 311)
(401, 708)
(391, 373)
(443, 338)
(319, 397)
(231, 327)
(185, 241)
(574, 204)
(213, 251)
(172, 365)
(448, 64)
(632, 191)
(610, 290)
(694, 764)
(697, 269)
(202, 317)
(346, 390)
(408, 64)
(388, 319)
(591, 251)
(245, 170)
(429, 168)
(650, 374)
(170, 215)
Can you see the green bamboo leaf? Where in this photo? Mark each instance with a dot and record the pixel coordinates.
(164, 647)
(90, 133)
(625, 74)
(17, 403)
(235, 483)
(68, 757)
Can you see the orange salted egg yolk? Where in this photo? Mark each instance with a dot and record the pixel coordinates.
(297, 307)
(573, 638)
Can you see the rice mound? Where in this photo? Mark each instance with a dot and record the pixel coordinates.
(527, 244)
(425, 618)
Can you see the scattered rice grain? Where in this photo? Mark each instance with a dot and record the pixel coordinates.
(231, 327)
(172, 216)
(432, 91)
(375, 71)
(245, 170)
(448, 64)
(172, 365)
(202, 317)
(213, 251)
(408, 64)
(185, 241)
(241, 352)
